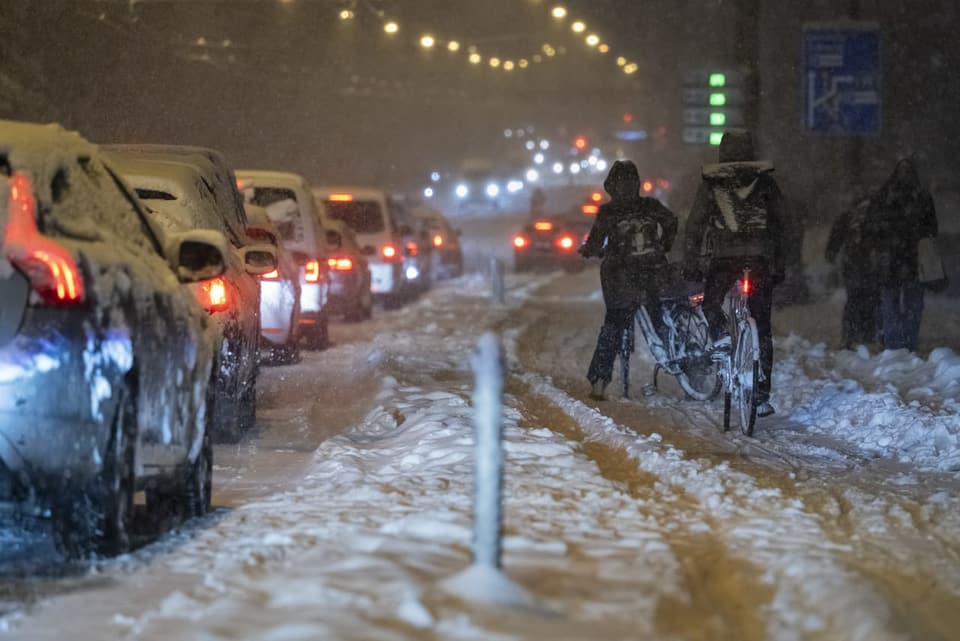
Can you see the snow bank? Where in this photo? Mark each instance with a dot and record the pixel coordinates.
(893, 404)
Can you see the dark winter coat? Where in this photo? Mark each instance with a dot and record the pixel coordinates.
(634, 237)
(900, 215)
(737, 213)
(851, 235)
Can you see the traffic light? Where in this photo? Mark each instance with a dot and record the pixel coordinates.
(580, 143)
(712, 99)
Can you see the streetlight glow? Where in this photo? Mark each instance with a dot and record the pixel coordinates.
(453, 46)
(427, 41)
(494, 62)
(559, 12)
(593, 40)
(346, 14)
(475, 58)
(630, 68)
(579, 26)
(603, 48)
(391, 27)
(508, 65)
(621, 61)
(523, 63)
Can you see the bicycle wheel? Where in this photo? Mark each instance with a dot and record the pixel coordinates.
(746, 375)
(699, 374)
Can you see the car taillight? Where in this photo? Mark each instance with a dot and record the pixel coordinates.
(274, 275)
(520, 242)
(389, 252)
(590, 210)
(340, 264)
(746, 286)
(565, 243)
(312, 271)
(412, 249)
(438, 240)
(50, 268)
(213, 295)
(543, 225)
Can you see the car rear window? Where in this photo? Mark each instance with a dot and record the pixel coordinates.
(362, 216)
(281, 205)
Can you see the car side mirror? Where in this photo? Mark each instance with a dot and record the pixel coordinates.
(259, 259)
(334, 239)
(369, 250)
(196, 255)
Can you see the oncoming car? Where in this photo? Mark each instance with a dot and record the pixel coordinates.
(105, 361)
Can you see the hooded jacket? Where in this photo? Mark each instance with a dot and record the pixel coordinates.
(633, 235)
(900, 214)
(737, 212)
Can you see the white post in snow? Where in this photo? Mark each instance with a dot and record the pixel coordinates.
(488, 451)
(496, 274)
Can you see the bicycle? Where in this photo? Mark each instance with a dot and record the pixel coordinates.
(685, 354)
(740, 368)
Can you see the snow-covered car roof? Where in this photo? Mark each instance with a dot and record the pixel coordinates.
(43, 150)
(267, 178)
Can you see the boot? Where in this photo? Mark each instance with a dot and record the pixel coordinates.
(598, 390)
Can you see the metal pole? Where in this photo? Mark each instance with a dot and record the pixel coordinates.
(496, 274)
(488, 452)
(855, 159)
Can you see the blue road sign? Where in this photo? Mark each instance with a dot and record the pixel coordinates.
(841, 82)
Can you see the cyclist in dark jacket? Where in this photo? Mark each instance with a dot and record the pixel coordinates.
(736, 222)
(901, 214)
(633, 235)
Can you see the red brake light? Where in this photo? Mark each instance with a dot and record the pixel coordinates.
(340, 264)
(746, 285)
(438, 240)
(543, 225)
(647, 186)
(389, 252)
(312, 271)
(565, 243)
(341, 198)
(520, 242)
(213, 295)
(412, 249)
(274, 275)
(50, 268)
(596, 196)
(590, 210)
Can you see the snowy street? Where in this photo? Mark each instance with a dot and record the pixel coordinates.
(343, 513)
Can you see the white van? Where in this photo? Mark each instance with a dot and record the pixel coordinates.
(368, 212)
(291, 207)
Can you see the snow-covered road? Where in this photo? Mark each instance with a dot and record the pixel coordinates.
(342, 516)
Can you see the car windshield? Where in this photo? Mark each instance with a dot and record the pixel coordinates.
(362, 216)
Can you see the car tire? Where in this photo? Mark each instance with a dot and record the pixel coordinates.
(97, 520)
(318, 337)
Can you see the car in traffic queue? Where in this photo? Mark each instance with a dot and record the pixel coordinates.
(105, 361)
(367, 211)
(177, 190)
(551, 243)
(279, 292)
(291, 206)
(416, 248)
(447, 255)
(350, 294)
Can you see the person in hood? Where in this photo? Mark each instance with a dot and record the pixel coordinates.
(633, 236)
(901, 214)
(850, 236)
(735, 224)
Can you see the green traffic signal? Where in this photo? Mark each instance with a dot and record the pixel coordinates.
(718, 80)
(716, 137)
(718, 119)
(718, 99)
